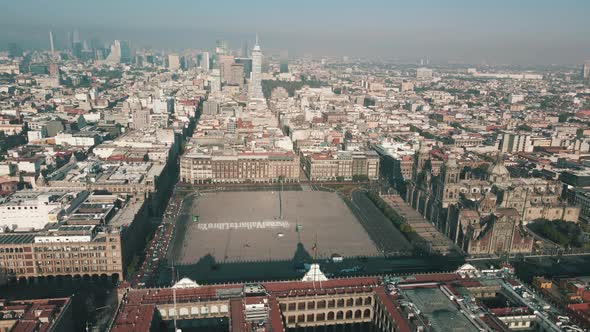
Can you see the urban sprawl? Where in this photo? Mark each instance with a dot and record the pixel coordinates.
(102, 149)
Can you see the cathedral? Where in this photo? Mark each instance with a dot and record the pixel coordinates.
(483, 215)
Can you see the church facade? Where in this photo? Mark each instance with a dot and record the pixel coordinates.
(483, 215)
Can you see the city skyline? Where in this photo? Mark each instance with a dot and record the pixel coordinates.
(379, 166)
(459, 31)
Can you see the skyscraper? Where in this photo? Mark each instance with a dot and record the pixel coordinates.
(245, 49)
(225, 62)
(222, 47)
(173, 62)
(76, 36)
(247, 62)
(284, 62)
(586, 70)
(255, 84)
(236, 76)
(120, 52)
(125, 51)
(204, 61)
(215, 80)
(115, 54)
(51, 45)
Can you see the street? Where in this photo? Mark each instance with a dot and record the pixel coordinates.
(386, 236)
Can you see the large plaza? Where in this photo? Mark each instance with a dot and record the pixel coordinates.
(269, 226)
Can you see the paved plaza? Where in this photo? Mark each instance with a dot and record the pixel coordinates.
(248, 226)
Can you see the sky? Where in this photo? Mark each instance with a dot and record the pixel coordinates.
(472, 31)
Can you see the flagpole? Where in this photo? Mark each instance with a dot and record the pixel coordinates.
(316, 255)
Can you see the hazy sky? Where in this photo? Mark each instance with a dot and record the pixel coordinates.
(496, 31)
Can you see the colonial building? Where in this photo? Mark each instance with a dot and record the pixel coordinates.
(343, 166)
(62, 251)
(199, 167)
(473, 212)
(499, 233)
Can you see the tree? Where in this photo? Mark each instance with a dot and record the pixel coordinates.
(348, 135)
(286, 130)
(564, 116)
(360, 178)
(564, 233)
(524, 127)
(368, 102)
(407, 228)
(480, 172)
(132, 267)
(447, 140)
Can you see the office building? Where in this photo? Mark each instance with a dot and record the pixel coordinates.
(515, 142)
(215, 80)
(255, 84)
(224, 63)
(120, 52)
(51, 44)
(586, 70)
(67, 250)
(220, 167)
(515, 98)
(210, 107)
(236, 76)
(342, 166)
(222, 47)
(173, 62)
(204, 61)
(424, 73)
(247, 62)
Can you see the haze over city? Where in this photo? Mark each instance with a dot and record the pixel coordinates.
(497, 32)
(294, 166)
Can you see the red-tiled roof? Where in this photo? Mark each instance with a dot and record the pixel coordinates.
(469, 283)
(134, 318)
(238, 322)
(393, 311)
(439, 277)
(25, 326)
(319, 286)
(274, 315)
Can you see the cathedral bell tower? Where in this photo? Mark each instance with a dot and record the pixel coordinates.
(451, 170)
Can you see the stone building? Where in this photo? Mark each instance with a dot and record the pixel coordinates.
(64, 251)
(499, 233)
(198, 167)
(343, 166)
(468, 209)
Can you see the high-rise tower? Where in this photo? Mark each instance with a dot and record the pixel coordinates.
(120, 52)
(255, 85)
(586, 70)
(245, 49)
(51, 42)
(204, 63)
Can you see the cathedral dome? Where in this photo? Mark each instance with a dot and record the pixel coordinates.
(498, 171)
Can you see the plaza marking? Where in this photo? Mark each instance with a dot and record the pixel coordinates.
(249, 225)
